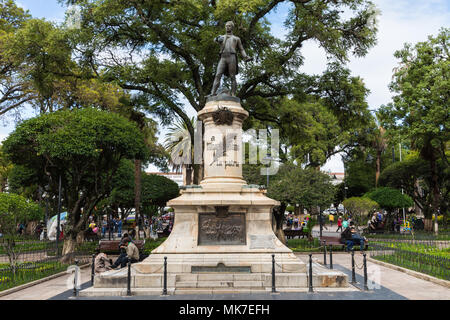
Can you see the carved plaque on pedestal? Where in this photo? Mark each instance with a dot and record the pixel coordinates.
(217, 228)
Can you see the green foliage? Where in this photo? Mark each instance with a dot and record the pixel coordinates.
(5, 169)
(16, 209)
(420, 108)
(151, 245)
(157, 190)
(360, 207)
(14, 90)
(27, 272)
(420, 257)
(175, 44)
(84, 146)
(307, 187)
(122, 194)
(290, 209)
(389, 198)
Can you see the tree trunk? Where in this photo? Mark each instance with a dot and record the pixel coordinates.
(137, 194)
(378, 170)
(70, 243)
(278, 214)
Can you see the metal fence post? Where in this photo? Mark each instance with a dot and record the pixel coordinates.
(353, 267)
(325, 252)
(273, 274)
(93, 270)
(331, 257)
(129, 279)
(165, 277)
(310, 274)
(365, 273)
(75, 279)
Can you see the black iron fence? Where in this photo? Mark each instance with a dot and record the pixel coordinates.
(426, 258)
(33, 260)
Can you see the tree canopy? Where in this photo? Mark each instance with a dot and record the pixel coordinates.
(420, 108)
(309, 188)
(84, 147)
(15, 209)
(389, 198)
(163, 51)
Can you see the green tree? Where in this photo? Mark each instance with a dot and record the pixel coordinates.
(84, 147)
(14, 89)
(178, 144)
(420, 108)
(5, 170)
(360, 207)
(122, 195)
(390, 199)
(156, 191)
(292, 184)
(15, 209)
(174, 41)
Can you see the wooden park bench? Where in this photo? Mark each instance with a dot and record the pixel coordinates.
(112, 246)
(332, 241)
(292, 233)
(336, 241)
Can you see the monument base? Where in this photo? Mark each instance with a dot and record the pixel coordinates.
(197, 264)
(222, 238)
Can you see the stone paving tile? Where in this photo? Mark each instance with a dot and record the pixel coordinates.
(396, 281)
(395, 285)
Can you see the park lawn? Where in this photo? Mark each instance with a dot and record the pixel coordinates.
(304, 245)
(28, 272)
(424, 258)
(444, 235)
(418, 248)
(151, 244)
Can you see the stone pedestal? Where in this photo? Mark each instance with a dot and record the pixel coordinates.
(222, 238)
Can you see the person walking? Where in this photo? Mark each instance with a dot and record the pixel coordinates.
(339, 223)
(331, 219)
(119, 227)
(345, 224)
(104, 226)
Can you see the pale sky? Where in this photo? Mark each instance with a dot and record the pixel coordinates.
(400, 21)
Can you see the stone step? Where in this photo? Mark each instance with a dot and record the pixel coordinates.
(220, 284)
(220, 277)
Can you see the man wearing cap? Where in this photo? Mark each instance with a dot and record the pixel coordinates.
(132, 254)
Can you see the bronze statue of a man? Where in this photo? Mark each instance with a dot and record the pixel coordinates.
(228, 63)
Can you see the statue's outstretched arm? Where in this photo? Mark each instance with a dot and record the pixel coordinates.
(243, 53)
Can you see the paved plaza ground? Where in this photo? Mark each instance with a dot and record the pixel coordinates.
(394, 285)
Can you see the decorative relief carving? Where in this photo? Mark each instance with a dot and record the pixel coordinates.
(223, 116)
(220, 228)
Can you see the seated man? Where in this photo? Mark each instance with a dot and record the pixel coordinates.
(131, 254)
(346, 238)
(355, 238)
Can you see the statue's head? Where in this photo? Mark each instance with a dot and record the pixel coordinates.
(229, 26)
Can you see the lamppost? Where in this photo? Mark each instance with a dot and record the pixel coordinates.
(400, 151)
(58, 217)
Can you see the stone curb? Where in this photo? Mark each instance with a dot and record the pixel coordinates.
(33, 283)
(416, 274)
